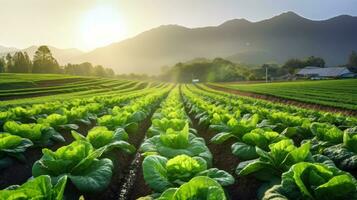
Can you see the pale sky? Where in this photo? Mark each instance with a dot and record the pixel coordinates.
(87, 24)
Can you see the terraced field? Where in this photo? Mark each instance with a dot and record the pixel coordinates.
(335, 93)
(120, 139)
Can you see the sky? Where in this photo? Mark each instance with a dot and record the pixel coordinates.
(88, 24)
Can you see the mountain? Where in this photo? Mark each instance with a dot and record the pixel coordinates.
(273, 40)
(63, 56)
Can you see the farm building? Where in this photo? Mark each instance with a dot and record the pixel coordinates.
(325, 72)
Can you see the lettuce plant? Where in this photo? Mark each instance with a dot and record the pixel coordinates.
(5, 116)
(100, 137)
(313, 181)
(345, 154)
(173, 143)
(21, 113)
(125, 120)
(77, 114)
(57, 122)
(39, 188)
(327, 132)
(281, 157)
(245, 149)
(161, 173)
(114, 121)
(39, 134)
(79, 161)
(350, 139)
(200, 187)
(234, 128)
(12, 146)
(161, 125)
(286, 119)
(325, 135)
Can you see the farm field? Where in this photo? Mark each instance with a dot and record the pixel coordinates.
(99, 138)
(335, 93)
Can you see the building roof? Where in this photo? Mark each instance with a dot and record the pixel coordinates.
(324, 72)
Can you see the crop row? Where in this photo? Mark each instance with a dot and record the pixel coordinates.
(41, 123)
(293, 156)
(58, 90)
(82, 161)
(265, 107)
(336, 93)
(177, 163)
(28, 101)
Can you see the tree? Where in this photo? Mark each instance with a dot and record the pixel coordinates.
(314, 61)
(9, 62)
(83, 69)
(28, 62)
(292, 64)
(109, 72)
(44, 62)
(20, 63)
(2, 65)
(99, 70)
(352, 60)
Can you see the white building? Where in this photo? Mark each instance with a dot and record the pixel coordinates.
(325, 72)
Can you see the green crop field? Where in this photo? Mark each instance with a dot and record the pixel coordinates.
(107, 138)
(336, 93)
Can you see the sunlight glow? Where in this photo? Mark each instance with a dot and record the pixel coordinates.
(101, 26)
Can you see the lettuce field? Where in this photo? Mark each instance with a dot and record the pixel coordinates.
(71, 137)
(335, 93)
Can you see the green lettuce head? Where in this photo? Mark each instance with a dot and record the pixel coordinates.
(350, 139)
(161, 173)
(200, 187)
(79, 161)
(314, 181)
(39, 188)
(176, 139)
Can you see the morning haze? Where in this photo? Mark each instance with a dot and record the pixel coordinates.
(87, 25)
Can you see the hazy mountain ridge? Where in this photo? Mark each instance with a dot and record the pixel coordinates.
(273, 40)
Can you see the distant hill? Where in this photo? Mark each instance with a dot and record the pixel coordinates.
(63, 56)
(273, 40)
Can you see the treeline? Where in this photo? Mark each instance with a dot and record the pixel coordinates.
(87, 69)
(221, 70)
(292, 65)
(44, 62)
(217, 70)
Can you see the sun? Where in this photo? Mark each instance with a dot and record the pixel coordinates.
(101, 26)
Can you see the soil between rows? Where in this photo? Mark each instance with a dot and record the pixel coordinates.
(276, 99)
(244, 188)
(141, 188)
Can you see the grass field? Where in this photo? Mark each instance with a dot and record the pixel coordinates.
(336, 93)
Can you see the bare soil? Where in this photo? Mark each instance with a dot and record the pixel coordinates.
(141, 188)
(286, 101)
